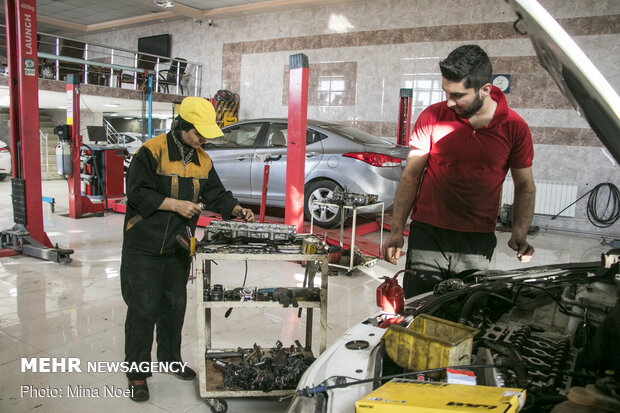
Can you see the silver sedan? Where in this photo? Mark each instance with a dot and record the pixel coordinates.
(337, 156)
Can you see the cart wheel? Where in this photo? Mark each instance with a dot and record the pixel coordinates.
(349, 273)
(218, 405)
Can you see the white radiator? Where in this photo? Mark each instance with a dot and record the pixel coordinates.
(551, 197)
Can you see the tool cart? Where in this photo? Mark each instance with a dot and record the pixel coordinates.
(211, 374)
(367, 260)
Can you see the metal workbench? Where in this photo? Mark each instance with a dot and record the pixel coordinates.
(209, 378)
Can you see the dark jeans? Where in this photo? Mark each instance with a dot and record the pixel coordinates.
(436, 254)
(155, 291)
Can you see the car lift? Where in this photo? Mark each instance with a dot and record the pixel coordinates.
(78, 204)
(296, 140)
(404, 117)
(27, 236)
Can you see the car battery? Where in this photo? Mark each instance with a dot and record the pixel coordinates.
(409, 396)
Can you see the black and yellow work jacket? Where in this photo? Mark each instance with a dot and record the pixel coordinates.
(157, 171)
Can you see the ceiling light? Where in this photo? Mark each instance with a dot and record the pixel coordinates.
(111, 105)
(164, 3)
(127, 118)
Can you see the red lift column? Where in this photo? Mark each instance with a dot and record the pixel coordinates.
(296, 145)
(78, 204)
(21, 16)
(404, 116)
(28, 236)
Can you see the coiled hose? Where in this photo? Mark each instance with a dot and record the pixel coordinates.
(613, 204)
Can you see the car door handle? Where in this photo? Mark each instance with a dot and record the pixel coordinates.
(242, 157)
(311, 155)
(267, 157)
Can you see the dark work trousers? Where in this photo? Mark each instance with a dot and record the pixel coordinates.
(436, 254)
(155, 291)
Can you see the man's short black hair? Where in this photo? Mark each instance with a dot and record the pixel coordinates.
(469, 63)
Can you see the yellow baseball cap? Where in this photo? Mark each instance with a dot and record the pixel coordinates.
(200, 113)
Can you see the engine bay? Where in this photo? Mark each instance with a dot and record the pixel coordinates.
(544, 330)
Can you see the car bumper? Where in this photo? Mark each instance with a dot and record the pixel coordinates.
(359, 365)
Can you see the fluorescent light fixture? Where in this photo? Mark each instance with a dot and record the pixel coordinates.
(339, 23)
(111, 105)
(127, 118)
(164, 3)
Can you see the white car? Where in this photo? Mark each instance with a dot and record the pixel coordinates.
(131, 141)
(5, 161)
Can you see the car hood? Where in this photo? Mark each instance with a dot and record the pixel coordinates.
(576, 76)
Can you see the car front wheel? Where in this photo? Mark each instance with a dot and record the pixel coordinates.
(326, 216)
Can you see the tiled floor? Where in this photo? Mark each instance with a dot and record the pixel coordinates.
(76, 310)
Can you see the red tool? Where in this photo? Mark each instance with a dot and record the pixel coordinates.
(263, 200)
(390, 295)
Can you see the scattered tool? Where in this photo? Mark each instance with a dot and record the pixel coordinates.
(277, 368)
(188, 242)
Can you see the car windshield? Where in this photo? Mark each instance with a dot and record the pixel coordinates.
(355, 134)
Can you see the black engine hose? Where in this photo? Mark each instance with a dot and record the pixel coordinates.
(538, 402)
(469, 304)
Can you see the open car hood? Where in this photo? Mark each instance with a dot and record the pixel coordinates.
(578, 79)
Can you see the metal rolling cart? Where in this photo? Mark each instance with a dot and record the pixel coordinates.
(209, 377)
(368, 261)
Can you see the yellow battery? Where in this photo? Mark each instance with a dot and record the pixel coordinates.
(409, 396)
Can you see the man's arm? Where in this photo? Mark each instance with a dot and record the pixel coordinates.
(406, 194)
(522, 212)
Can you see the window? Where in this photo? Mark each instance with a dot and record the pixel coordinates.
(426, 91)
(313, 136)
(277, 135)
(243, 135)
(331, 90)
(329, 85)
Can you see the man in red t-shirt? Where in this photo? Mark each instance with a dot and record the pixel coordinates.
(461, 150)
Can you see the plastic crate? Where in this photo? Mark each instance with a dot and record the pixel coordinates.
(429, 343)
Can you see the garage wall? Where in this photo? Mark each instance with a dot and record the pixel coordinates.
(375, 48)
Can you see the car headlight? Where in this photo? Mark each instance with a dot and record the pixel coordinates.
(302, 404)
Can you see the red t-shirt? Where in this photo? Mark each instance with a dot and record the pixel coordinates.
(466, 167)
